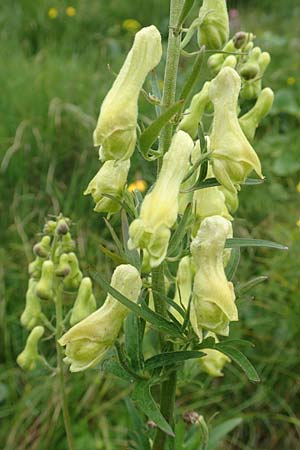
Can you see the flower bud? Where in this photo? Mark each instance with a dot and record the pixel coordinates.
(35, 268)
(252, 88)
(216, 61)
(44, 287)
(87, 341)
(212, 305)
(42, 248)
(62, 227)
(116, 126)
(30, 355)
(214, 28)
(250, 121)
(73, 279)
(239, 39)
(31, 314)
(63, 269)
(111, 180)
(49, 227)
(209, 202)
(85, 302)
(230, 61)
(233, 158)
(193, 114)
(160, 206)
(214, 361)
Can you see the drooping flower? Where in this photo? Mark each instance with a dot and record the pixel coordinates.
(233, 157)
(116, 127)
(214, 360)
(111, 180)
(85, 303)
(29, 357)
(87, 341)
(213, 299)
(213, 31)
(151, 231)
(192, 116)
(32, 312)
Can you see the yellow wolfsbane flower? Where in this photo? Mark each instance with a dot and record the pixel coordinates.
(85, 303)
(233, 157)
(52, 13)
(30, 355)
(151, 231)
(116, 127)
(87, 341)
(214, 361)
(213, 31)
(139, 185)
(32, 312)
(213, 299)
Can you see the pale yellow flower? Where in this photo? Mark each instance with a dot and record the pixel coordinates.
(52, 13)
(71, 11)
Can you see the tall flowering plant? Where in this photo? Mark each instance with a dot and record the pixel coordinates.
(178, 250)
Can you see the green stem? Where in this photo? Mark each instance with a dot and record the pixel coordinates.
(170, 78)
(60, 367)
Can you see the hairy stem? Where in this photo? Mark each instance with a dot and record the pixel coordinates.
(60, 368)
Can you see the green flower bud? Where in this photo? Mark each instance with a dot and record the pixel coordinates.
(50, 227)
(63, 269)
(249, 121)
(111, 180)
(87, 342)
(212, 305)
(193, 114)
(209, 202)
(214, 361)
(42, 248)
(216, 61)
(241, 39)
(31, 314)
(85, 302)
(230, 61)
(160, 207)
(35, 268)
(29, 357)
(116, 126)
(44, 287)
(231, 199)
(62, 227)
(252, 88)
(233, 158)
(73, 279)
(214, 28)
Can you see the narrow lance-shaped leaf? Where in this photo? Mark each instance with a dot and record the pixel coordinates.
(192, 78)
(233, 263)
(244, 242)
(220, 431)
(240, 359)
(178, 236)
(170, 358)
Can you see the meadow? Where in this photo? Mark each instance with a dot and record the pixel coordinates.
(58, 60)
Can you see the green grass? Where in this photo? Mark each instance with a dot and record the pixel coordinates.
(53, 78)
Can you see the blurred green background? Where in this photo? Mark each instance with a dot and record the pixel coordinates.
(53, 76)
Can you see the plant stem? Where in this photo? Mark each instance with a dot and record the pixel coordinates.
(60, 368)
(170, 78)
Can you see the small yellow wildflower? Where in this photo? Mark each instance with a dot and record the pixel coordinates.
(71, 11)
(298, 223)
(298, 187)
(291, 81)
(52, 13)
(139, 185)
(131, 25)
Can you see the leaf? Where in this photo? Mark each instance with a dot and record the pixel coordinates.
(169, 358)
(139, 429)
(113, 256)
(209, 182)
(244, 242)
(193, 76)
(240, 359)
(112, 366)
(242, 288)
(220, 431)
(133, 256)
(146, 313)
(133, 341)
(176, 239)
(142, 396)
(187, 6)
(233, 263)
(151, 133)
(156, 91)
(115, 237)
(253, 181)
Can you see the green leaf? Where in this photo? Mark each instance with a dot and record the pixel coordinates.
(244, 242)
(151, 133)
(187, 6)
(133, 256)
(110, 365)
(169, 358)
(138, 430)
(146, 313)
(194, 75)
(209, 182)
(176, 239)
(242, 288)
(253, 181)
(220, 431)
(233, 263)
(142, 396)
(113, 256)
(240, 359)
(133, 341)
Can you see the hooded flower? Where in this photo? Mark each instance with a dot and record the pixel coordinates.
(87, 341)
(116, 126)
(233, 157)
(30, 355)
(212, 306)
(160, 207)
(32, 312)
(214, 27)
(250, 121)
(111, 180)
(193, 114)
(257, 64)
(214, 361)
(85, 303)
